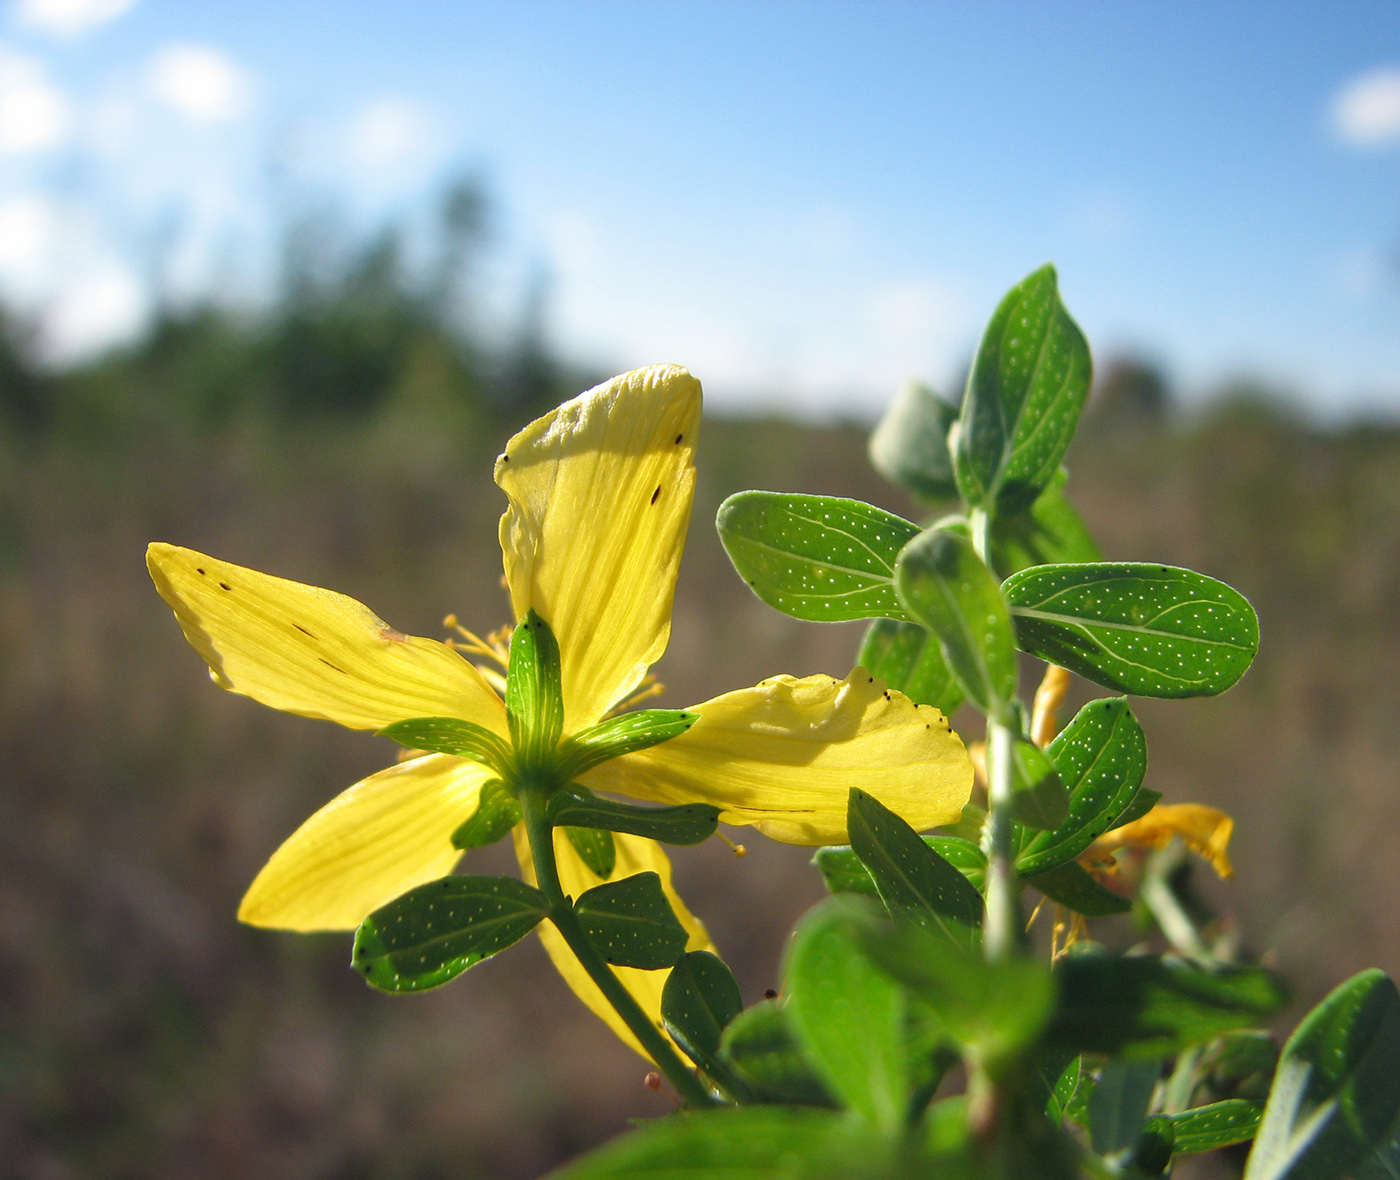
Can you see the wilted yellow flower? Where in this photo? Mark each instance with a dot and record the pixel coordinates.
(599, 497)
(1204, 830)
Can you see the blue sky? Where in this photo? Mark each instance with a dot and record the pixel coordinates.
(805, 203)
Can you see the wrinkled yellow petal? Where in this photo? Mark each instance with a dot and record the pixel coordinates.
(784, 755)
(311, 651)
(600, 493)
(634, 855)
(367, 846)
(1204, 830)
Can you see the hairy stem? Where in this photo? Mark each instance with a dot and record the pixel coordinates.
(541, 836)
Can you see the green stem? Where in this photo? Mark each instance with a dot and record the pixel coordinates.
(541, 836)
(1174, 921)
(1000, 933)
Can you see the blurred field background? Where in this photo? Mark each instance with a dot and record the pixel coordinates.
(343, 435)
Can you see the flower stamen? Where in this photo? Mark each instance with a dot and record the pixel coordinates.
(736, 849)
(495, 648)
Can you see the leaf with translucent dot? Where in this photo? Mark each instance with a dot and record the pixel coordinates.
(631, 923)
(907, 657)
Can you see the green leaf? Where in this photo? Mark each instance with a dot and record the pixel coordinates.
(1143, 802)
(1383, 1163)
(913, 880)
(1101, 756)
(1241, 1064)
(1118, 1105)
(1074, 886)
(497, 811)
(743, 1143)
(1038, 797)
(621, 735)
(1049, 532)
(699, 1000)
(843, 871)
(849, 1016)
(760, 1046)
(595, 847)
(994, 1009)
(818, 558)
(1024, 396)
(1206, 1128)
(631, 923)
(910, 446)
(688, 823)
(906, 657)
(1142, 1006)
(1061, 1095)
(945, 586)
(534, 693)
(450, 735)
(1151, 630)
(1337, 1089)
(435, 932)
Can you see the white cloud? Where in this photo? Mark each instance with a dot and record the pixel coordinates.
(200, 83)
(915, 310)
(33, 112)
(68, 18)
(390, 132)
(96, 310)
(28, 232)
(1366, 111)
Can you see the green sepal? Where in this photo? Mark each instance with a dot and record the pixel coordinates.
(1038, 797)
(1049, 532)
(914, 881)
(631, 923)
(944, 585)
(908, 658)
(820, 558)
(686, 823)
(698, 1001)
(849, 1016)
(1074, 887)
(1142, 1006)
(910, 445)
(595, 847)
(1024, 395)
(843, 871)
(1219, 1124)
(435, 932)
(620, 735)
(451, 735)
(1101, 756)
(1336, 1092)
(1149, 630)
(534, 691)
(761, 1047)
(497, 811)
(1119, 1102)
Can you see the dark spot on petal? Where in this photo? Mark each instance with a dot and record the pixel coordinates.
(200, 571)
(225, 585)
(770, 994)
(679, 437)
(328, 664)
(303, 630)
(656, 495)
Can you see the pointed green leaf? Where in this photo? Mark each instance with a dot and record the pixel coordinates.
(913, 880)
(1101, 756)
(843, 871)
(1049, 532)
(697, 1004)
(1336, 1093)
(450, 735)
(1074, 887)
(687, 823)
(435, 932)
(818, 558)
(621, 735)
(497, 811)
(595, 847)
(631, 923)
(910, 446)
(908, 658)
(1118, 1105)
(1024, 396)
(849, 1016)
(760, 1046)
(1143, 802)
(945, 586)
(1065, 1086)
(1038, 797)
(1207, 1128)
(1150, 630)
(534, 693)
(1142, 1006)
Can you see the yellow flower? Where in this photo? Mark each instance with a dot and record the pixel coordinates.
(599, 497)
(1204, 830)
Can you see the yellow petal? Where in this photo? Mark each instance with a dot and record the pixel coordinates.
(311, 651)
(634, 855)
(1204, 830)
(600, 493)
(784, 755)
(367, 846)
